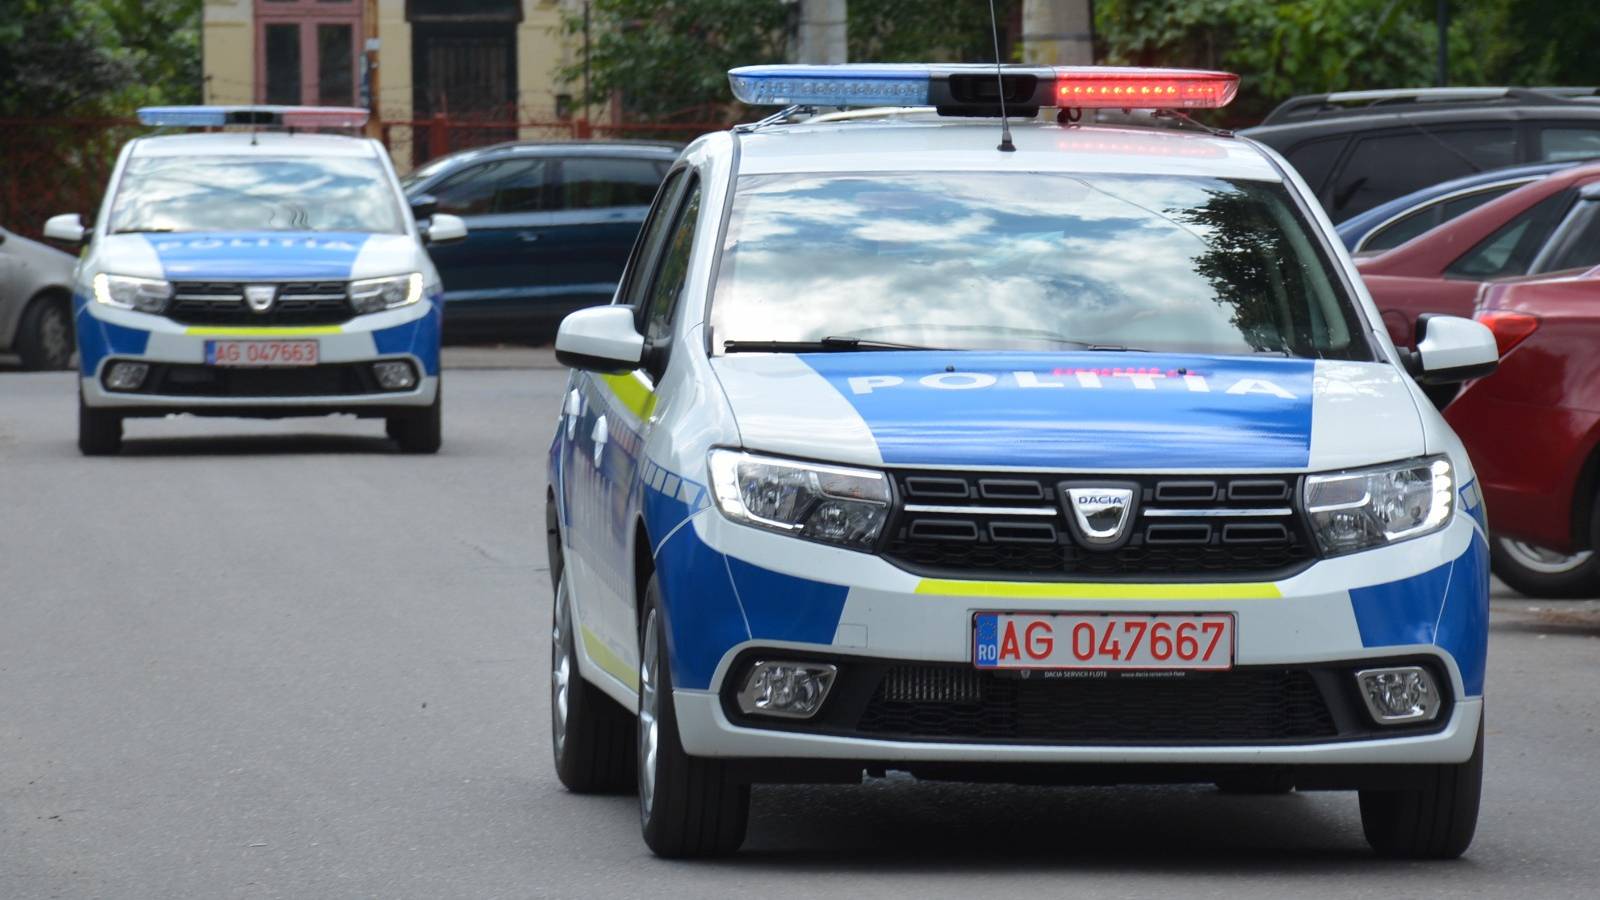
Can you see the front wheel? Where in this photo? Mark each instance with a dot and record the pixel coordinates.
(1541, 572)
(421, 430)
(688, 806)
(591, 736)
(99, 431)
(44, 336)
(1434, 820)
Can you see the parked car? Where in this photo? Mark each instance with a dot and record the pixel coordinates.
(1551, 225)
(1388, 225)
(1534, 433)
(549, 227)
(35, 302)
(1359, 149)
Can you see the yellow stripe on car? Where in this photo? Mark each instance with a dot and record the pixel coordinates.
(607, 660)
(632, 394)
(287, 331)
(1046, 590)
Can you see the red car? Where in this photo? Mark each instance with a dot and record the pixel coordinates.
(1533, 429)
(1551, 225)
(1525, 264)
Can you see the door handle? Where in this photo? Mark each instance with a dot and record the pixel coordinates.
(600, 435)
(527, 237)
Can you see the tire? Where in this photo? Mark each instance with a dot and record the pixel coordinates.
(1538, 572)
(99, 431)
(419, 431)
(1434, 821)
(688, 806)
(44, 335)
(591, 736)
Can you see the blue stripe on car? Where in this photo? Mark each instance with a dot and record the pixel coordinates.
(1078, 410)
(98, 339)
(419, 337)
(267, 255)
(1447, 605)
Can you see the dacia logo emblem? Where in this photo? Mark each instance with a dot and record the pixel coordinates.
(1100, 513)
(260, 296)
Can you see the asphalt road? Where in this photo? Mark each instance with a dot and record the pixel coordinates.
(281, 660)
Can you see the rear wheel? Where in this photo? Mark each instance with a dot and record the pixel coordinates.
(1435, 820)
(99, 431)
(688, 806)
(421, 430)
(44, 336)
(1541, 572)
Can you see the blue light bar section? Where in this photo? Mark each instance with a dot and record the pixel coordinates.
(183, 116)
(842, 85)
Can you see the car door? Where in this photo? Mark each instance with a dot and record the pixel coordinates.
(495, 279)
(598, 205)
(608, 420)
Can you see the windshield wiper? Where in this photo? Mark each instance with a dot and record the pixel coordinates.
(830, 344)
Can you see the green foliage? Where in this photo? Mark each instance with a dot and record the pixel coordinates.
(97, 57)
(664, 56)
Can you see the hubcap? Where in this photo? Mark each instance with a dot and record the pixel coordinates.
(560, 669)
(1542, 559)
(649, 707)
(55, 336)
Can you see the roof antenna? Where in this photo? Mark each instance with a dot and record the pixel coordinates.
(1000, 85)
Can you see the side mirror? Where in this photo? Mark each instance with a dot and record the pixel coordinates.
(443, 228)
(600, 339)
(423, 206)
(1451, 349)
(66, 228)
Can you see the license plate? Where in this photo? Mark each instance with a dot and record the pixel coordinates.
(261, 353)
(1102, 640)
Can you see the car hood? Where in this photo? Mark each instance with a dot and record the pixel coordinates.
(267, 255)
(1080, 411)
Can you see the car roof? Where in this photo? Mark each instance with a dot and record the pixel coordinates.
(265, 143)
(1364, 119)
(1359, 223)
(661, 150)
(1311, 107)
(928, 142)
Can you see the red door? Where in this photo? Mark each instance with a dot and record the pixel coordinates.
(307, 51)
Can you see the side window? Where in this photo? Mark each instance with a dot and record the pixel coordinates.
(636, 278)
(1512, 248)
(1577, 243)
(1315, 159)
(598, 182)
(673, 272)
(1401, 230)
(1558, 144)
(523, 187)
(1385, 166)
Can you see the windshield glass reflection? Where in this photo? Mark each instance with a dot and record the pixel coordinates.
(1029, 261)
(172, 193)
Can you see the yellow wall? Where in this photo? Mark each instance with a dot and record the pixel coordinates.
(228, 47)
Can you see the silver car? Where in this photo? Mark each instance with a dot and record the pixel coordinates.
(35, 302)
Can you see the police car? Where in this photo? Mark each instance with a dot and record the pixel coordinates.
(1076, 454)
(265, 273)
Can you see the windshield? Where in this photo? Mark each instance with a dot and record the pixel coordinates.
(238, 193)
(1029, 261)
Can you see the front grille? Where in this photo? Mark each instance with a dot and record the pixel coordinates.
(954, 702)
(328, 380)
(1011, 525)
(297, 303)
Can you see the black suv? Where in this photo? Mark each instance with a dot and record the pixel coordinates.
(1358, 149)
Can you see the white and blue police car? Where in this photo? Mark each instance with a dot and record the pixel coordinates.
(1078, 458)
(266, 273)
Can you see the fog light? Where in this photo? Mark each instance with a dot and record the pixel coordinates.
(1399, 695)
(395, 375)
(792, 690)
(126, 376)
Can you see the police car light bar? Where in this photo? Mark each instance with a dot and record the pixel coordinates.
(282, 116)
(974, 86)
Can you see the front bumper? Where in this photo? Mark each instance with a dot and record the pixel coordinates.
(176, 352)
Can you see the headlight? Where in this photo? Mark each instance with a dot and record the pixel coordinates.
(1369, 507)
(831, 504)
(125, 292)
(373, 294)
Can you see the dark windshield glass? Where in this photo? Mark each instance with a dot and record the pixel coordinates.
(236, 193)
(1029, 261)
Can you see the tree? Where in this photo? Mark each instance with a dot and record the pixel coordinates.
(919, 31)
(57, 58)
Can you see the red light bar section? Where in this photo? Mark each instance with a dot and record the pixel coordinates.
(323, 116)
(1143, 88)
